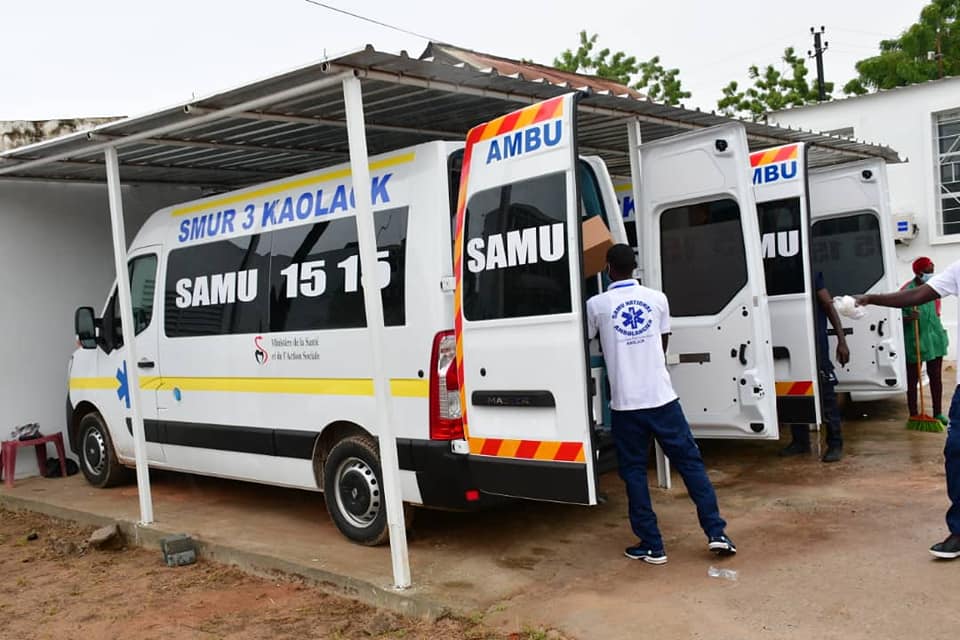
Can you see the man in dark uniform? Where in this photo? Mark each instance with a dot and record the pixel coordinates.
(828, 379)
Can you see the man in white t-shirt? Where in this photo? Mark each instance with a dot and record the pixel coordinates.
(946, 283)
(633, 323)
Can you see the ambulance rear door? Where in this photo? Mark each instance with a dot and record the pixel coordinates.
(521, 341)
(852, 245)
(780, 188)
(698, 231)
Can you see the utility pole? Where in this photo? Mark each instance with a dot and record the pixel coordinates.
(939, 56)
(819, 46)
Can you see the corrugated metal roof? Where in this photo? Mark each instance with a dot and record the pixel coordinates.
(295, 122)
(450, 54)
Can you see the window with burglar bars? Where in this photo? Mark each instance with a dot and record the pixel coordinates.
(948, 156)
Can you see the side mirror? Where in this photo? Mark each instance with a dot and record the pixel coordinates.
(85, 325)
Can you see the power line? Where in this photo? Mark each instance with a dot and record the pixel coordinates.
(885, 36)
(699, 72)
(371, 20)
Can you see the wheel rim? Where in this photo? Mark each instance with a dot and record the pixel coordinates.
(357, 492)
(94, 451)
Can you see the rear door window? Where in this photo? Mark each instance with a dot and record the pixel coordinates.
(847, 251)
(515, 246)
(703, 257)
(781, 239)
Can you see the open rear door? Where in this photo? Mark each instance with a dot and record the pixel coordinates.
(700, 242)
(521, 343)
(852, 244)
(780, 189)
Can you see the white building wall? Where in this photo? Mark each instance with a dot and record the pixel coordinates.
(905, 120)
(56, 254)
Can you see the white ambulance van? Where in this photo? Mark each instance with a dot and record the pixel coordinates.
(528, 381)
(851, 243)
(254, 360)
(779, 177)
(833, 220)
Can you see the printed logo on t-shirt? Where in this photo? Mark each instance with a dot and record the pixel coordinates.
(632, 318)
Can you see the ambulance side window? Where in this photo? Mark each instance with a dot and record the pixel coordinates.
(315, 274)
(454, 170)
(515, 250)
(217, 288)
(781, 239)
(702, 256)
(143, 279)
(848, 252)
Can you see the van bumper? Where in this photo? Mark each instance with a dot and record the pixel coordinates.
(68, 426)
(443, 476)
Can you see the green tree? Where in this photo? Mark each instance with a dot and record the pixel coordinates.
(772, 89)
(926, 50)
(658, 83)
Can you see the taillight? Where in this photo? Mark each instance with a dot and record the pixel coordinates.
(446, 421)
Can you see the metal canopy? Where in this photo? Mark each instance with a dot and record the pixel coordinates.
(295, 122)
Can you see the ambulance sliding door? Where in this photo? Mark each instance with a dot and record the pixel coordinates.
(852, 244)
(521, 347)
(780, 189)
(697, 225)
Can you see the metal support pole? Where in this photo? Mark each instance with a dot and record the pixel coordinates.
(373, 305)
(634, 137)
(645, 254)
(129, 334)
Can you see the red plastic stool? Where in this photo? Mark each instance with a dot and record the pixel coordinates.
(8, 455)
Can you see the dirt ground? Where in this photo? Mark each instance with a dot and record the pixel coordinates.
(826, 551)
(55, 587)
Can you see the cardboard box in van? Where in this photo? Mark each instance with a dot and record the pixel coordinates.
(596, 242)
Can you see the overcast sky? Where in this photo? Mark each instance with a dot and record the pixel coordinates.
(62, 58)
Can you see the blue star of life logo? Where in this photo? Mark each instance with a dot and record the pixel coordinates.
(631, 318)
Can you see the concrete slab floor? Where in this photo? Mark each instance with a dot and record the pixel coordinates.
(826, 551)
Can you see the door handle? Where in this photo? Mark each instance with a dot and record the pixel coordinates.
(146, 364)
(880, 327)
(743, 354)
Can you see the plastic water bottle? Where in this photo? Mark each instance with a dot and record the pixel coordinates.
(727, 574)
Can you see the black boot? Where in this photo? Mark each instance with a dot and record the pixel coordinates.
(834, 453)
(800, 444)
(834, 444)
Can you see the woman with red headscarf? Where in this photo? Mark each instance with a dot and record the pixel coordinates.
(933, 341)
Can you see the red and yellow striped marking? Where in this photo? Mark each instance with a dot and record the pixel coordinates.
(522, 449)
(795, 388)
(772, 156)
(528, 449)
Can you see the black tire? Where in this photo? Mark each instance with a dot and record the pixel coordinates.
(98, 460)
(353, 491)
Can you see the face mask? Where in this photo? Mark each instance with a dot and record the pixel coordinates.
(925, 277)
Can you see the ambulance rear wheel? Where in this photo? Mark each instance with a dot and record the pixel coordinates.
(353, 490)
(98, 460)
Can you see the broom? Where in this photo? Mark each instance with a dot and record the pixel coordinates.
(922, 422)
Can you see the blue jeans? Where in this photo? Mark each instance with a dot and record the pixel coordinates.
(631, 435)
(951, 462)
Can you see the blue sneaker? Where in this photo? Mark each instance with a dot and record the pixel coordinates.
(642, 552)
(722, 545)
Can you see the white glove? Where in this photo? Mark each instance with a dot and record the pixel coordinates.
(847, 307)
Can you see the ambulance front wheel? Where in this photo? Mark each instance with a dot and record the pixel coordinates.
(98, 460)
(353, 491)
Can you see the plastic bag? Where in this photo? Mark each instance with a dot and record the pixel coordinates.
(847, 307)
